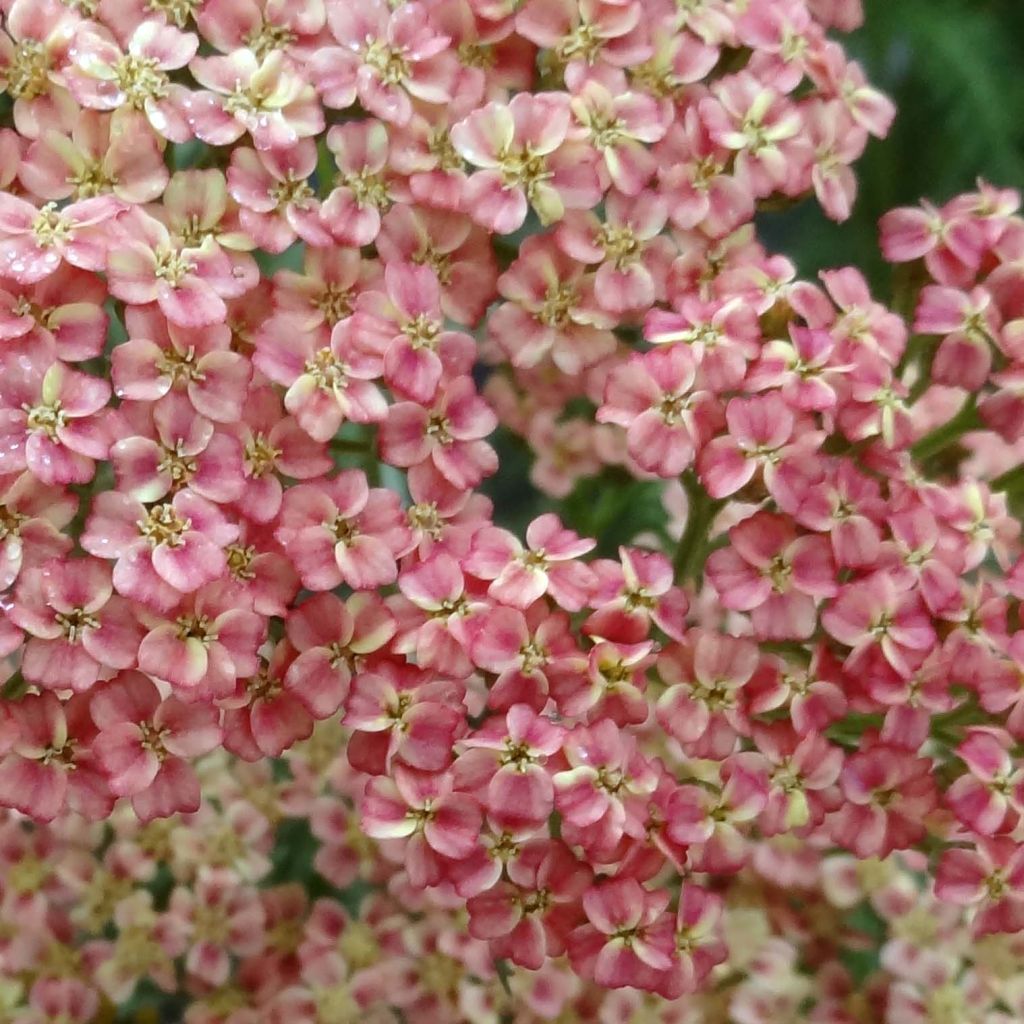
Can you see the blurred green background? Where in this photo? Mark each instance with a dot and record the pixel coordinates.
(955, 69)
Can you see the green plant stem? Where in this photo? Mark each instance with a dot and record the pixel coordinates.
(689, 556)
(1011, 480)
(965, 420)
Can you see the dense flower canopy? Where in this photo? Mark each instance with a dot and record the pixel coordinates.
(296, 727)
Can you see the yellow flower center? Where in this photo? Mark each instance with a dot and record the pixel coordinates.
(46, 419)
(140, 79)
(163, 525)
(28, 75)
(74, 623)
(177, 11)
(260, 455)
(50, 227)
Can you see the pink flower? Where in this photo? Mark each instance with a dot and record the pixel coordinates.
(422, 808)
(144, 743)
(628, 939)
(612, 687)
(704, 680)
(364, 189)
(698, 938)
(273, 443)
(441, 632)
(970, 325)
(547, 565)
(221, 918)
(326, 385)
(597, 794)
(708, 820)
(188, 451)
(801, 777)
(458, 251)
(693, 177)
(803, 369)
(870, 108)
(725, 336)
(161, 358)
(776, 575)
(838, 141)
(781, 38)
(449, 435)
(230, 24)
(49, 760)
(77, 628)
(33, 517)
(759, 125)
(405, 328)
(950, 240)
(552, 311)
(135, 80)
(333, 639)
(634, 595)
(530, 917)
(862, 320)
(323, 294)
(189, 284)
(812, 693)
(210, 643)
(423, 151)
(198, 211)
(63, 311)
(527, 160)
(834, 498)
(402, 714)
(51, 420)
(982, 798)
(652, 396)
(529, 653)
(263, 95)
(585, 33)
(342, 530)
(875, 613)
(633, 258)
(35, 242)
(262, 719)
(386, 58)
(68, 1000)
(277, 202)
(917, 559)
(889, 794)
(519, 793)
(90, 160)
(761, 435)
(618, 125)
(161, 552)
(989, 876)
(33, 51)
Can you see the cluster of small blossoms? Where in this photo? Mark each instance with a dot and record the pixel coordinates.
(271, 275)
(270, 906)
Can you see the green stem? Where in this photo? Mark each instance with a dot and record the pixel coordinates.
(689, 556)
(1008, 481)
(965, 420)
(14, 688)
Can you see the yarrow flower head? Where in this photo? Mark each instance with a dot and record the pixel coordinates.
(452, 570)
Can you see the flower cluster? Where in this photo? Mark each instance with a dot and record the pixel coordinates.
(296, 726)
(269, 906)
